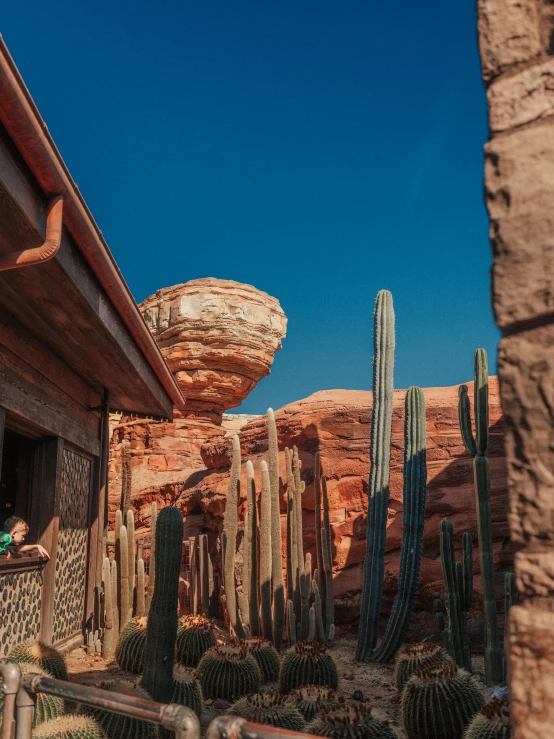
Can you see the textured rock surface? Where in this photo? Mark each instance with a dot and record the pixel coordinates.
(516, 45)
(219, 339)
(337, 423)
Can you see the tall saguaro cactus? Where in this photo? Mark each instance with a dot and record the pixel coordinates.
(230, 529)
(476, 447)
(251, 551)
(276, 539)
(161, 631)
(415, 475)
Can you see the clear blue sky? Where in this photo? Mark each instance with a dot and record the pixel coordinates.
(319, 150)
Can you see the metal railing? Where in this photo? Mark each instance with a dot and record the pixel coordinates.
(20, 697)
(234, 727)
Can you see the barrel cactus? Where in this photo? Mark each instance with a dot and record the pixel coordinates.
(129, 652)
(186, 689)
(307, 663)
(266, 656)
(70, 727)
(195, 635)
(428, 699)
(310, 699)
(350, 721)
(229, 672)
(42, 655)
(415, 656)
(269, 708)
(115, 725)
(493, 722)
(47, 706)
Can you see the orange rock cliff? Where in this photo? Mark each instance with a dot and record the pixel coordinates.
(187, 462)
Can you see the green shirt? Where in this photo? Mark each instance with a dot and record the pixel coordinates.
(5, 541)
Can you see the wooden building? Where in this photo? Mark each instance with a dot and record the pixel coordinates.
(72, 345)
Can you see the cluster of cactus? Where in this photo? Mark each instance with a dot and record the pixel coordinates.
(186, 689)
(47, 707)
(310, 699)
(70, 727)
(124, 582)
(415, 656)
(161, 629)
(272, 709)
(350, 720)
(429, 697)
(493, 722)
(458, 586)
(414, 495)
(229, 672)
(307, 663)
(266, 656)
(476, 447)
(202, 586)
(40, 654)
(195, 635)
(129, 653)
(115, 725)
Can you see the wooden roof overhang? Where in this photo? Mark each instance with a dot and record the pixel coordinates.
(77, 304)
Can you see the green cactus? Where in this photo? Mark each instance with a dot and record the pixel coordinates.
(429, 697)
(414, 657)
(321, 583)
(111, 630)
(439, 616)
(69, 727)
(122, 558)
(310, 699)
(126, 476)
(229, 672)
(271, 709)
(152, 564)
(265, 553)
(186, 689)
(307, 663)
(230, 530)
(266, 656)
(291, 623)
(129, 652)
(195, 635)
(511, 596)
(250, 583)
(42, 655)
(350, 721)
(493, 722)
(277, 548)
(161, 631)
(114, 590)
(115, 725)
(47, 706)
(476, 447)
(414, 493)
(131, 552)
(141, 590)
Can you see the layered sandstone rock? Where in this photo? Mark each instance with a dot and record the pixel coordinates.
(337, 423)
(219, 339)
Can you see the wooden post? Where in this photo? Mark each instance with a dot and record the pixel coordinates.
(47, 517)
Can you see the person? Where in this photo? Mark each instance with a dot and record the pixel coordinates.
(13, 535)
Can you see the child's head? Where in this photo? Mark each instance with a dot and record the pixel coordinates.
(16, 528)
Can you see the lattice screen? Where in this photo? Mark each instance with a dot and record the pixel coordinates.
(20, 603)
(71, 558)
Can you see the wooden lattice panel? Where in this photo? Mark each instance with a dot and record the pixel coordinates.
(20, 604)
(71, 557)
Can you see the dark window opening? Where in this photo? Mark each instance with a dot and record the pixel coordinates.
(16, 476)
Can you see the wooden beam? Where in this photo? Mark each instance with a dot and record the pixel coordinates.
(48, 518)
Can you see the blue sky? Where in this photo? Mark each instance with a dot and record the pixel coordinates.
(319, 150)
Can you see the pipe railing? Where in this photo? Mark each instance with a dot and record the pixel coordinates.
(234, 727)
(20, 697)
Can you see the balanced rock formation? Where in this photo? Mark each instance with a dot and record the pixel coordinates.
(337, 424)
(219, 338)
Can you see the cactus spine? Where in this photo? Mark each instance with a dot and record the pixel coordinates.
(415, 482)
(161, 632)
(141, 602)
(110, 629)
(476, 447)
(307, 663)
(122, 555)
(381, 425)
(131, 549)
(277, 554)
(265, 553)
(152, 563)
(69, 727)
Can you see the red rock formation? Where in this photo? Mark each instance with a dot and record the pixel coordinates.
(336, 423)
(218, 337)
